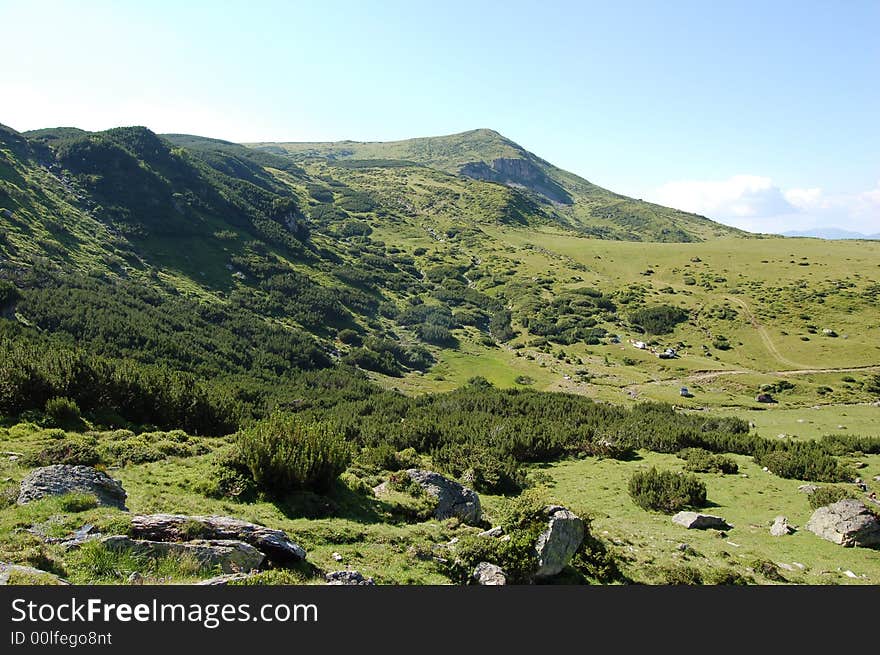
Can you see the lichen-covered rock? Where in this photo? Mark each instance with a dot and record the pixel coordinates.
(453, 499)
(697, 521)
(275, 544)
(229, 555)
(348, 578)
(60, 479)
(489, 574)
(558, 543)
(848, 523)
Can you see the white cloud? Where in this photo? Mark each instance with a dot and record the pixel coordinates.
(756, 203)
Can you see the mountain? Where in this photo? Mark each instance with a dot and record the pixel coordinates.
(487, 155)
(831, 233)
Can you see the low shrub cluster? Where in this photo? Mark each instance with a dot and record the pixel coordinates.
(700, 460)
(828, 495)
(666, 491)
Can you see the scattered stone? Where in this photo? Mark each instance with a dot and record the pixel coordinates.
(229, 555)
(453, 499)
(764, 398)
(496, 532)
(73, 541)
(60, 479)
(275, 544)
(337, 557)
(784, 566)
(799, 565)
(807, 488)
(877, 478)
(489, 574)
(697, 521)
(135, 578)
(781, 527)
(223, 580)
(348, 578)
(850, 574)
(682, 547)
(847, 523)
(27, 575)
(558, 543)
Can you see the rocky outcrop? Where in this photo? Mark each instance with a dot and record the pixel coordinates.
(353, 578)
(489, 574)
(558, 543)
(223, 580)
(229, 555)
(519, 173)
(17, 574)
(848, 523)
(60, 479)
(453, 499)
(781, 527)
(274, 544)
(697, 521)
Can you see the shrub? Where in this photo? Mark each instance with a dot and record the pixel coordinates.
(660, 319)
(74, 452)
(349, 337)
(63, 412)
(700, 460)
(802, 461)
(284, 453)
(666, 491)
(681, 575)
(827, 495)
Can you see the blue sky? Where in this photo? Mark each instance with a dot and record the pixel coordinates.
(760, 114)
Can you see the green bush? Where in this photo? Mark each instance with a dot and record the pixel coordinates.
(802, 460)
(63, 412)
(666, 491)
(284, 454)
(827, 495)
(700, 460)
(70, 451)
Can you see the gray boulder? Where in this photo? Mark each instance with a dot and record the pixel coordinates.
(848, 523)
(453, 499)
(558, 543)
(781, 527)
(352, 578)
(807, 488)
(223, 580)
(229, 555)
(697, 521)
(489, 574)
(275, 544)
(18, 574)
(60, 479)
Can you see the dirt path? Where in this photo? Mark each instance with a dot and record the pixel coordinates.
(762, 332)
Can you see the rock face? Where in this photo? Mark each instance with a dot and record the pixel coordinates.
(558, 543)
(781, 527)
(27, 575)
(348, 578)
(229, 555)
(807, 488)
(848, 523)
(489, 574)
(60, 479)
(697, 521)
(453, 499)
(275, 544)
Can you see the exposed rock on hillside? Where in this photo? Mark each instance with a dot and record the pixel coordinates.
(697, 521)
(453, 499)
(486, 573)
(60, 479)
(848, 523)
(558, 543)
(230, 555)
(275, 544)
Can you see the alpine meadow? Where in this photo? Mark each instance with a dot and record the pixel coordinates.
(442, 360)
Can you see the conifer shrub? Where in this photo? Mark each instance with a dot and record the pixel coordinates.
(827, 496)
(666, 491)
(284, 453)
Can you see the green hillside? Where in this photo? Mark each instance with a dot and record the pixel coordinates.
(416, 303)
(487, 155)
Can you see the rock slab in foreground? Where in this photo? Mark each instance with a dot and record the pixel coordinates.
(697, 521)
(489, 574)
(229, 555)
(558, 543)
(453, 499)
(847, 523)
(275, 544)
(60, 479)
(27, 575)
